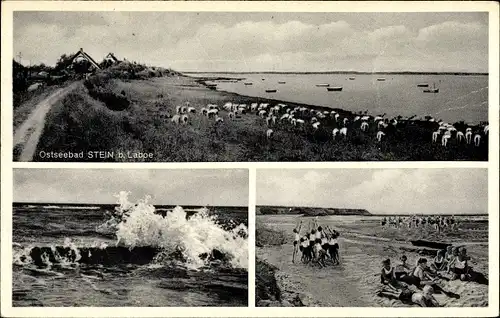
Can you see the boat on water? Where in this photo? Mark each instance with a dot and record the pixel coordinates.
(271, 90)
(352, 78)
(334, 89)
(381, 79)
(423, 85)
(211, 86)
(281, 82)
(322, 85)
(434, 89)
(248, 83)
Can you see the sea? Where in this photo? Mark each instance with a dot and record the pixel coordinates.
(460, 97)
(129, 254)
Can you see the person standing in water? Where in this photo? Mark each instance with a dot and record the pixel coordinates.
(296, 239)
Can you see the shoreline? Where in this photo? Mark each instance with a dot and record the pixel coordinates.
(351, 72)
(343, 112)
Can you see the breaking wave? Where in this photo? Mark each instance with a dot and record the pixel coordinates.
(146, 237)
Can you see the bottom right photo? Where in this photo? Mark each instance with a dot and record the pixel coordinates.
(372, 237)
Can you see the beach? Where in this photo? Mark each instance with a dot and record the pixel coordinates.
(145, 127)
(363, 246)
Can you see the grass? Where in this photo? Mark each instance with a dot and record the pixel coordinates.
(89, 121)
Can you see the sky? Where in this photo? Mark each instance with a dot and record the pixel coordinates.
(245, 41)
(222, 187)
(380, 191)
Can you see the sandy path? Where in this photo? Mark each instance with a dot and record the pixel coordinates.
(29, 132)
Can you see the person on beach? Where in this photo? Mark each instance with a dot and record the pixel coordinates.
(296, 232)
(387, 272)
(402, 269)
(438, 263)
(334, 245)
(411, 295)
(319, 254)
(307, 250)
(384, 221)
(461, 267)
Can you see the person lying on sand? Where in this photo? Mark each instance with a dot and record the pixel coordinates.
(411, 295)
(296, 232)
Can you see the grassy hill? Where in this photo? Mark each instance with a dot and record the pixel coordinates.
(308, 211)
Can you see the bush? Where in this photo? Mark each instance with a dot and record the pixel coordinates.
(266, 235)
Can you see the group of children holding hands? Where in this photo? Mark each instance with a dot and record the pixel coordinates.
(403, 282)
(317, 245)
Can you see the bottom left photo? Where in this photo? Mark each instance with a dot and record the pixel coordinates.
(130, 237)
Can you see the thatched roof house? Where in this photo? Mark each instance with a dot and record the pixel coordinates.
(81, 55)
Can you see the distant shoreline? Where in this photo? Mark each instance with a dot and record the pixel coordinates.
(346, 72)
(158, 206)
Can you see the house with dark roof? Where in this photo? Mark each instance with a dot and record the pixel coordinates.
(82, 56)
(111, 58)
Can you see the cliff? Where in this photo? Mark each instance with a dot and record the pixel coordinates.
(308, 211)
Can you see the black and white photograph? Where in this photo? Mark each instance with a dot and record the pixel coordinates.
(159, 86)
(372, 238)
(130, 238)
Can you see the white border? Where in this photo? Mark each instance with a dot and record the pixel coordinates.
(232, 6)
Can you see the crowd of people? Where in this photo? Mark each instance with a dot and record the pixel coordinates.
(318, 245)
(417, 284)
(438, 223)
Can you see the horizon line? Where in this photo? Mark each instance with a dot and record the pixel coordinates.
(114, 203)
(343, 72)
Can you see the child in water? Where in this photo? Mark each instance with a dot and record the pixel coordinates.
(296, 239)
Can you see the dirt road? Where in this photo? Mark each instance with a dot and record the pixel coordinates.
(27, 135)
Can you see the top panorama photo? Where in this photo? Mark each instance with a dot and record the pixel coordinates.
(240, 86)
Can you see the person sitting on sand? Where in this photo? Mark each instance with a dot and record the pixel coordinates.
(422, 273)
(402, 269)
(452, 259)
(296, 240)
(387, 272)
(438, 263)
(412, 295)
(461, 267)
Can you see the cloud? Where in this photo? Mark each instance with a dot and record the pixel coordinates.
(379, 190)
(192, 187)
(237, 42)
